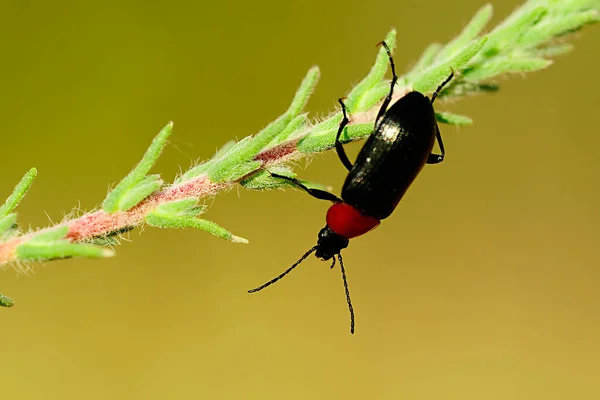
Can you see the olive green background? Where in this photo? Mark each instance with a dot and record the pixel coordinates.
(484, 284)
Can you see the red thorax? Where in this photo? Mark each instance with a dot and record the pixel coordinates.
(348, 222)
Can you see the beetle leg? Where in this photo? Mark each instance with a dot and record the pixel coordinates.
(388, 98)
(316, 193)
(437, 158)
(439, 88)
(339, 148)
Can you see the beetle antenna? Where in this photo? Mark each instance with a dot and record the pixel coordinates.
(439, 88)
(287, 271)
(350, 308)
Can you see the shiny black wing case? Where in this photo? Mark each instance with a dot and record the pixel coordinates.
(392, 156)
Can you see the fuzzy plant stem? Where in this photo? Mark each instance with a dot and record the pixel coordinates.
(523, 42)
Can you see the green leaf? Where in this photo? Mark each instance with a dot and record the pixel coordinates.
(373, 96)
(463, 87)
(308, 184)
(47, 251)
(18, 193)
(453, 119)
(552, 51)
(196, 171)
(184, 214)
(306, 88)
(263, 180)
(505, 65)
(139, 192)
(49, 235)
(221, 171)
(7, 224)
(50, 245)
(162, 219)
(218, 231)
(556, 27)
(223, 150)
(234, 171)
(6, 301)
(295, 126)
(115, 199)
(427, 57)
(506, 34)
(566, 7)
(181, 208)
(326, 140)
(325, 127)
(229, 150)
(205, 166)
(469, 33)
(432, 77)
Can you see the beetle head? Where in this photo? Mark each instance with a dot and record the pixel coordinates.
(329, 244)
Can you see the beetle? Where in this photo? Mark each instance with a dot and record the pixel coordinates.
(399, 147)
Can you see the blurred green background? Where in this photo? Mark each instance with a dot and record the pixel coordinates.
(482, 285)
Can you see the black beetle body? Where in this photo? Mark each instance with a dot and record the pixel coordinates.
(392, 156)
(388, 163)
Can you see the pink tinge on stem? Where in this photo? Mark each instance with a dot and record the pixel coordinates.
(100, 223)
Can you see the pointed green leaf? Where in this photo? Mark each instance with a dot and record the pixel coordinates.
(217, 230)
(308, 184)
(50, 244)
(49, 235)
(326, 140)
(224, 149)
(304, 92)
(470, 32)
(556, 27)
(269, 133)
(464, 87)
(196, 171)
(453, 119)
(7, 223)
(432, 77)
(226, 168)
(139, 192)
(570, 6)
(263, 180)
(296, 126)
(114, 200)
(508, 32)
(46, 251)
(205, 166)
(165, 220)
(373, 96)
(427, 57)
(6, 301)
(325, 127)
(234, 172)
(185, 207)
(552, 51)
(504, 65)
(18, 193)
